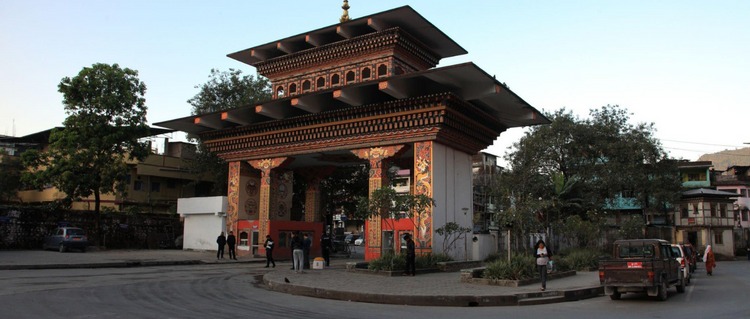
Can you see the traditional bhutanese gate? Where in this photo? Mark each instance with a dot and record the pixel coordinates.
(360, 90)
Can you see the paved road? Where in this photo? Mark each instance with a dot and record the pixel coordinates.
(229, 290)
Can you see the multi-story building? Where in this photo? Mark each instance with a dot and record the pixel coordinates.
(705, 215)
(154, 184)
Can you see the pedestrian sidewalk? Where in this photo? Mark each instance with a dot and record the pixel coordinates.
(335, 282)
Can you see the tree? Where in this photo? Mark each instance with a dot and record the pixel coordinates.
(575, 166)
(106, 112)
(391, 206)
(224, 90)
(10, 176)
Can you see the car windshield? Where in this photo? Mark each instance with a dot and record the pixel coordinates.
(76, 232)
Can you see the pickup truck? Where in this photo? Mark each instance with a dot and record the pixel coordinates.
(641, 265)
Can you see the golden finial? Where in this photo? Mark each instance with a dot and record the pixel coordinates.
(345, 16)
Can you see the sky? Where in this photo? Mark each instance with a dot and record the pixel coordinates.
(682, 65)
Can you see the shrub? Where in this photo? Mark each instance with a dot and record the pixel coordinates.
(391, 261)
(519, 267)
(493, 258)
(578, 259)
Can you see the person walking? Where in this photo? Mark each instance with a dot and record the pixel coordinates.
(411, 257)
(297, 253)
(306, 245)
(327, 245)
(709, 260)
(231, 242)
(221, 241)
(269, 251)
(543, 256)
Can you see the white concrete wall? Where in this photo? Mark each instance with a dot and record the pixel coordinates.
(452, 192)
(204, 221)
(201, 231)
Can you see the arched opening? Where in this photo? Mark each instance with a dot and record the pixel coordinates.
(280, 91)
(321, 83)
(292, 88)
(306, 86)
(366, 73)
(335, 79)
(350, 77)
(382, 70)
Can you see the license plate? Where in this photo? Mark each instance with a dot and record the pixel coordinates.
(635, 264)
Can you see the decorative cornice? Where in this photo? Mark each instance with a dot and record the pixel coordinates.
(351, 49)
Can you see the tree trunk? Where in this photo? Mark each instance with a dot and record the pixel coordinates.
(97, 202)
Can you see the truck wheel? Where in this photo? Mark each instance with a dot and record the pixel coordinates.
(681, 286)
(615, 295)
(662, 291)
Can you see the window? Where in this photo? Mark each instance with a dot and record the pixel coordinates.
(155, 187)
(723, 210)
(713, 209)
(292, 88)
(306, 86)
(335, 79)
(321, 83)
(718, 237)
(350, 77)
(683, 212)
(243, 238)
(280, 92)
(366, 73)
(382, 70)
(137, 185)
(695, 209)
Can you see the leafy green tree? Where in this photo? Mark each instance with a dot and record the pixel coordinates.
(574, 166)
(391, 206)
(223, 91)
(10, 176)
(106, 112)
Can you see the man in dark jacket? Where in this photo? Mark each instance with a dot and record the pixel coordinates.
(411, 257)
(231, 241)
(269, 251)
(221, 241)
(306, 245)
(327, 245)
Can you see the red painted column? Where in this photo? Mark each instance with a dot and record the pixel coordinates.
(265, 166)
(373, 227)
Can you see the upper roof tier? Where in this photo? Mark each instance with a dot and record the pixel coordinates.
(404, 18)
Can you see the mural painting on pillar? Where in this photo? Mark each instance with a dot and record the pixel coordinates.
(281, 199)
(264, 209)
(250, 198)
(423, 186)
(233, 194)
(313, 176)
(373, 226)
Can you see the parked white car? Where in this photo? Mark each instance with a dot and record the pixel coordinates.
(679, 252)
(359, 241)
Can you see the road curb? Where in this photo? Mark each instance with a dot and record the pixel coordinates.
(435, 300)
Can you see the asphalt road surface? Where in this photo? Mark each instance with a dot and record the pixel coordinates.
(232, 291)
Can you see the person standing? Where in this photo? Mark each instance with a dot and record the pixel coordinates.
(231, 242)
(710, 260)
(269, 251)
(221, 241)
(297, 254)
(306, 245)
(411, 257)
(543, 256)
(327, 245)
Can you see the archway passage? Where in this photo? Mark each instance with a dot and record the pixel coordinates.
(438, 116)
